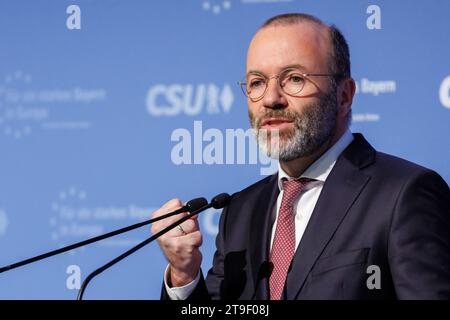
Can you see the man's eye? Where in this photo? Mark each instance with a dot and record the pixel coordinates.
(256, 83)
(296, 79)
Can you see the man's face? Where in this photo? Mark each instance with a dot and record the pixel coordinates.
(305, 123)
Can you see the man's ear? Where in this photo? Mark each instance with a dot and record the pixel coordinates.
(345, 92)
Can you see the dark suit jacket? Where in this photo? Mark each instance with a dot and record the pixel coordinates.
(374, 209)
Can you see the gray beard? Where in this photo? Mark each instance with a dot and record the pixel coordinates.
(312, 129)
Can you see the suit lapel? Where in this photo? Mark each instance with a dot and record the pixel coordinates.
(259, 237)
(341, 189)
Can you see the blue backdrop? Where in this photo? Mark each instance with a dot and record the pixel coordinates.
(110, 108)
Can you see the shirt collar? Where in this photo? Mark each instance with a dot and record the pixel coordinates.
(321, 168)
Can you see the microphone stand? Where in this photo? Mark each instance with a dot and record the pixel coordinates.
(218, 202)
(136, 248)
(191, 205)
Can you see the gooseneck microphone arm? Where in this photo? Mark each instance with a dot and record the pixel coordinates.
(190, 206)
(217, 202)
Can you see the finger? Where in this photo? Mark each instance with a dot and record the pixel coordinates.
(194, 239)
(194, 217)
(185, 243)
(178, 247)
(186, 227)
(169, 206)
(182, 229)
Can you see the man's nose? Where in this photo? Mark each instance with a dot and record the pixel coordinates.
(274, 97)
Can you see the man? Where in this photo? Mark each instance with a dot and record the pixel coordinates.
(339, 220)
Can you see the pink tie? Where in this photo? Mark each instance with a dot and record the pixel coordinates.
(283, 246)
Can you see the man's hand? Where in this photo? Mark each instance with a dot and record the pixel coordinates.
(179, 245)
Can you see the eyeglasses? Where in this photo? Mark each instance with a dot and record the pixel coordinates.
(291, 81)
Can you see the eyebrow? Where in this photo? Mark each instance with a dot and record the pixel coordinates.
(291, 66)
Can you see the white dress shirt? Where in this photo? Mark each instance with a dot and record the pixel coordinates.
(304, 204)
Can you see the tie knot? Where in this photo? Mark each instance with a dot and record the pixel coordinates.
(291, 188)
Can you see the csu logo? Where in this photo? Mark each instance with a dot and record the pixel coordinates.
(188, 99)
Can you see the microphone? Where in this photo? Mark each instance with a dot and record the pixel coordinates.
(218, 202)
(190, 206)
